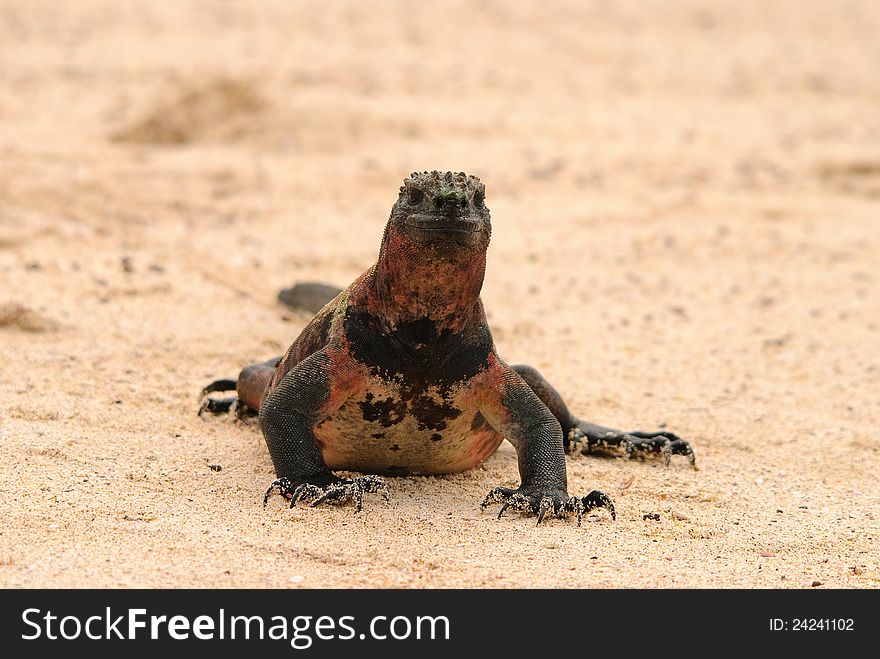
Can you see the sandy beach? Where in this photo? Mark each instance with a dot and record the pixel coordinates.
(685, 202)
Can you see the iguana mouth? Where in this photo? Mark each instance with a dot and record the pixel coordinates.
(444, 224)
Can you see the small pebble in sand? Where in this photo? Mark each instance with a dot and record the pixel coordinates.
(297, 579)
(652, 516)
(215, 467)
(767, 554)
(816, 583)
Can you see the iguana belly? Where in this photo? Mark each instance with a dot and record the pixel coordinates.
(390, 429)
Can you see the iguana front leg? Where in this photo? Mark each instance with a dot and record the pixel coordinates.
(309, 393)
(515, 411)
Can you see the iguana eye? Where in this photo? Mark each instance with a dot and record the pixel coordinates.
(479, 198)
(415, 196)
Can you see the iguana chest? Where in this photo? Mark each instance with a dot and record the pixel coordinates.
(395, 428)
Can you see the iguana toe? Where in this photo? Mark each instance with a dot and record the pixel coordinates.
(539, 502)
(336, 492)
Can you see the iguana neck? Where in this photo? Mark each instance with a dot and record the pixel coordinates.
(421, 283)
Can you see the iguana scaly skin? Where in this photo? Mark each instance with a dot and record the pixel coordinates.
(398, 374)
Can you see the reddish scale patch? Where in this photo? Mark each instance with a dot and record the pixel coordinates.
(482, 445)
(346, 377)
(414, 284)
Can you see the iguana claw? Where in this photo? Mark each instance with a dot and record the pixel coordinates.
(336, 492)
(558, 504)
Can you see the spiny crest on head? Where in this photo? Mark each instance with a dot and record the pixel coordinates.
(436, 181)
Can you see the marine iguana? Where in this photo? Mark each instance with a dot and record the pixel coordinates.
(398, 374)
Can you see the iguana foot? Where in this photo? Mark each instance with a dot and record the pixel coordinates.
(558, 503)
(217, 405)
(576, 431)
(223, 405)
(636, 442)
(339, 491)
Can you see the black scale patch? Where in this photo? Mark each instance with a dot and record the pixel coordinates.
(387, 412)
(442, 360)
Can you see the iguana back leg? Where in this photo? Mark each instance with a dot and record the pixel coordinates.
(575, 431)
(253, 381)
(250, 386)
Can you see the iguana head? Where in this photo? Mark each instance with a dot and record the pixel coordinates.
(442, 210)
(433, 256)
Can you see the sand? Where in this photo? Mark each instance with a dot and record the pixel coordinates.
(685, 204)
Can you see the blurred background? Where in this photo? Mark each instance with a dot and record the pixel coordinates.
(685, 200)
